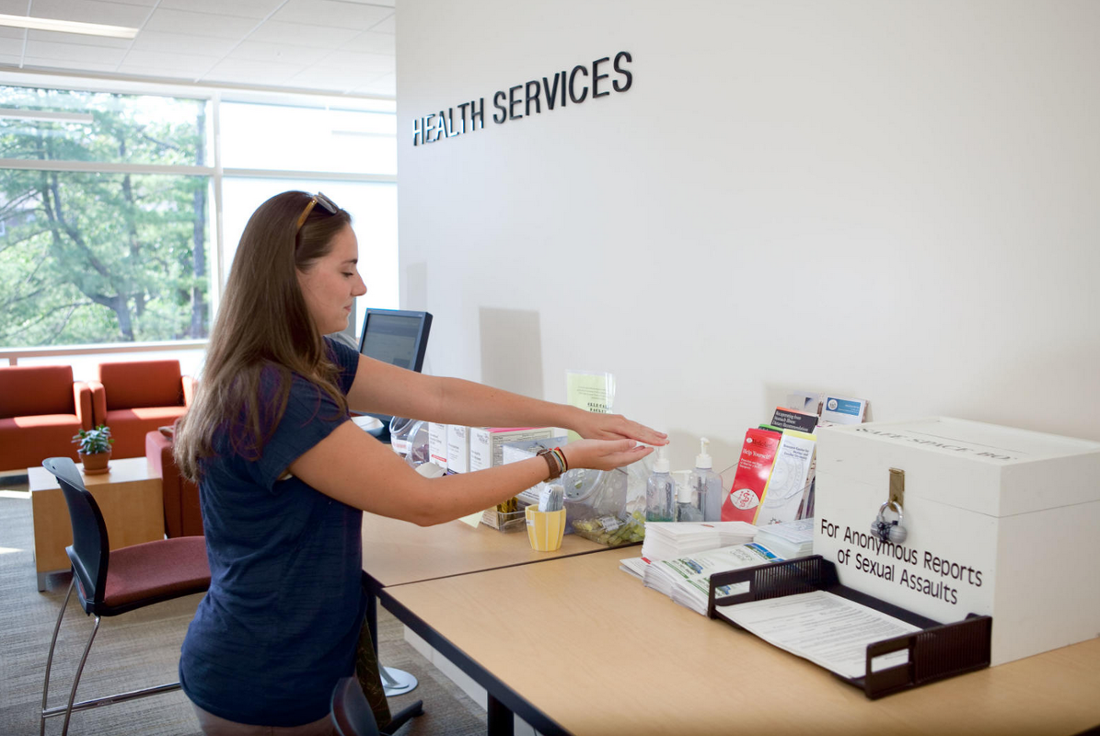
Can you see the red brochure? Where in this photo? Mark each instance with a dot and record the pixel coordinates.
(753, 469)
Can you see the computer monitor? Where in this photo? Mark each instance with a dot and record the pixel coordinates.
(396, 336)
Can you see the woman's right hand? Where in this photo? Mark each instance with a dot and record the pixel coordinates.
(604, 454)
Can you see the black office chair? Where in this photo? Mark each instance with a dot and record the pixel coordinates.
(351, 713)
(111, 583)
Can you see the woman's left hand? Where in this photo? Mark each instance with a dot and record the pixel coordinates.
(615, 427)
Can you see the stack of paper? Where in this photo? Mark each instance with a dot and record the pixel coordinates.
(635, 566)
(788, 540)
(687, 579)
(670, 540)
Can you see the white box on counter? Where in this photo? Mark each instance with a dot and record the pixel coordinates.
(487, 443)
(1001, 522)
(458, 449)
(437, 444)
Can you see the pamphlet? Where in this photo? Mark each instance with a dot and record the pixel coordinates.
(635, 566)
(594, 392)
(788, 540)
(826, 629)
(805, 401)
(793, 419)
(753, 470)
(837, 410)
(790, 479)
(687, 579)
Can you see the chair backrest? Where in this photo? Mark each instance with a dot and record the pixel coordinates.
(36, 390)
(351, 713)
(90, 550)
(141, 383)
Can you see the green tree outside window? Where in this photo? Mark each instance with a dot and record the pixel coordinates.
(100, 257)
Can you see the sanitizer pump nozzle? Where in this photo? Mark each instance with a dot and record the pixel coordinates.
(702, 460)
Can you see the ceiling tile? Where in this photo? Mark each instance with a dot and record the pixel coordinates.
(6, 32)
(91, 11)
(359, 63)
(246, 71)
(13, 7)
(31, 62)
(12, 60)
(331, 13)
(73, 52)
(369, 42)
(199, 24)
(389, 25)
(10, 46)
(242, 8)
(278, 52)
(338, 77)
(384, 85)
(179, 43)
(55, 37)
(302, 35)
(188, 65)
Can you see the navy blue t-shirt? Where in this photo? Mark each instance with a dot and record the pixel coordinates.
(280, 622)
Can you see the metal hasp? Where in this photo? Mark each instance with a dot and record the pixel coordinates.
(897, 487)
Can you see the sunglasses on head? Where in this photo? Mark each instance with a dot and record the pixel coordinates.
(318, 199)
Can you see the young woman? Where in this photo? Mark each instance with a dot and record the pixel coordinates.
(284, 476)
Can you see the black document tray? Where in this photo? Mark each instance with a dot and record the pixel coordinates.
(937, 652)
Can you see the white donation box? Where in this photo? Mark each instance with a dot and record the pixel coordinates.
(998, 521)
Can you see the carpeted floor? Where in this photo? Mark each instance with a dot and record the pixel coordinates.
(141, 648)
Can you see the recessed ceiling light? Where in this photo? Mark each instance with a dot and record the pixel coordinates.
(46, 116)
(66, 26)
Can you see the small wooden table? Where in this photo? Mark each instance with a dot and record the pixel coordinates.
(129, 496)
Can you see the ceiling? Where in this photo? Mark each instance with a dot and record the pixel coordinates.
(333, 46)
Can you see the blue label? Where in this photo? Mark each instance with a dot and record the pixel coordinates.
(842, 406)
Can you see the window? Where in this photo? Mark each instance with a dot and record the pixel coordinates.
(97, 246)
(108, 216)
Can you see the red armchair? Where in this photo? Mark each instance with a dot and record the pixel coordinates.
(182, 513)
(135, 398)
(41, 408)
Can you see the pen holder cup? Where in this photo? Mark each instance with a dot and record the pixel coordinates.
(545, 528)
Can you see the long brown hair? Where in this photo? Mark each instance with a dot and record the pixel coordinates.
(262, 322)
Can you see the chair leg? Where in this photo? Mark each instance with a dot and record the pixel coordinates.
(76, 680)
(49, 659)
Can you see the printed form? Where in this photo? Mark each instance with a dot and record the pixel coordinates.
(824, 628)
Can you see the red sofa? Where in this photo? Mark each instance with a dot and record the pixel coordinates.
(182, 513)
(41, 408)
(135, 398)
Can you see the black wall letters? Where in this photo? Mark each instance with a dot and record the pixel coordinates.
(555, 91)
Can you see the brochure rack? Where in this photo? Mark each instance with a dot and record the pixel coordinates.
(937, 652)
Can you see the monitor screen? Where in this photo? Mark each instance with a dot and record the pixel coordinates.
(396, 337)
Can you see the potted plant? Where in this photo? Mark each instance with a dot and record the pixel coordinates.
(94, 448)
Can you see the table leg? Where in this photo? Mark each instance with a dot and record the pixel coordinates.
(372, 618)
(501, 720)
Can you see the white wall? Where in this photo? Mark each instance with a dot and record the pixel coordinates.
(892, 200)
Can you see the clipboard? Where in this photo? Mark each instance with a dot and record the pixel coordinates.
(936, 652)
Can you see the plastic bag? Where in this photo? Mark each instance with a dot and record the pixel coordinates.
(607, 506)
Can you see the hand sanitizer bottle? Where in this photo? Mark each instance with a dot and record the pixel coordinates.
(660, 495)
(687, 508)
(707, 484)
